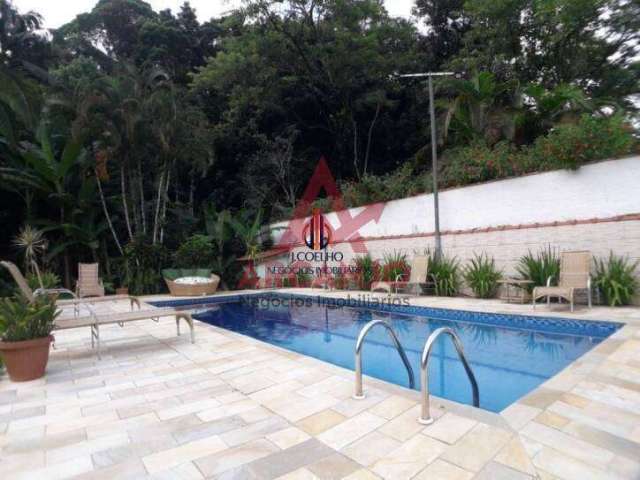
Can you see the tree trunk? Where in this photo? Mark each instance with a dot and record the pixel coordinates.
(164, 206)
(65, 256)
(156, 216)
(106, 214)
(369, 136)
(123, 192)
(355, 148)
(142, 202)
(192, 193)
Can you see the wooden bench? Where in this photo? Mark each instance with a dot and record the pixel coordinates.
(94, 321)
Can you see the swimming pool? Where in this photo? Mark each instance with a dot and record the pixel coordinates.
(509, 354)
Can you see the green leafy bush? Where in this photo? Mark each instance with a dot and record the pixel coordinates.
(368, 271)
(403, 182)
(394, 264)
(196, 251)
(445, 273)
(566, 146)
(49, 280)
(142, 265)
(482, 276)
(7, 284)
(23, 320)
(539, 268)
(480, 163)
(592, 138)
(615, 278)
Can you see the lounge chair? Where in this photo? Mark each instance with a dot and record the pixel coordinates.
(574, 275)
(95, 320)
(89, 283)
(75, 301)
(417, 276)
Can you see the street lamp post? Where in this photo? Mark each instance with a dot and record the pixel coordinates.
(434, 151)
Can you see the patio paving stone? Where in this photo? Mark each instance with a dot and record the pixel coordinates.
(442, 470)
(409, 458)
(370, 448)
(230, 407)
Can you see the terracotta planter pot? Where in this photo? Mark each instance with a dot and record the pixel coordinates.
(26, 360)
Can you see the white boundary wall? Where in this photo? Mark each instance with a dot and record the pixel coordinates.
(600, 190)
(595, 208)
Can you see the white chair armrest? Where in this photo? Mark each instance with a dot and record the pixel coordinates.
(549, 280)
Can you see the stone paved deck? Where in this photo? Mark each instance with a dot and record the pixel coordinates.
(230, 407)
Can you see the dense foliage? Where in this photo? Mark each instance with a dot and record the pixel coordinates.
(444, 271)
(127, 131)
(615, 279)
(395, 267)
(482, 276)
(197, 251)
(21, 319)
(367, 271)
(539, 268)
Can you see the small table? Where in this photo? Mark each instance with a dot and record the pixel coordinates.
(520, 286)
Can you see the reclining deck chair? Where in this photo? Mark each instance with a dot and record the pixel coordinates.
(574, 275)
(417, 277)
(89, 283)
(75, 301)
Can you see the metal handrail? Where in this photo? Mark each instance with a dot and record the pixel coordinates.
(425, 415)
(363, 333)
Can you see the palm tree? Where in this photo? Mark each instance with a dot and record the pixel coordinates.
(128, 111)
(248, 231)
(49, 174)
(482, 107)
(219, 229)
(562, 104)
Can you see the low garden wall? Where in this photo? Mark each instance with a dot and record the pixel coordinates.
(595, 208)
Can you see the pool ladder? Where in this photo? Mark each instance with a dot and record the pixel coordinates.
(425, 415)
(363, 333)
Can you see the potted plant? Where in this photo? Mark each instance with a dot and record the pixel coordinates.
(25, 335)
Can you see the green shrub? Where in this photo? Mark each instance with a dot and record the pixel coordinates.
(394, 264)
(402, 182)
(445, 274)
(482, 276)
(23, 320)
(480, 163)
(592, 138)
(196, 251)
(615, 278)
(7, 284)
(368, 271)
(566, 146)
(49, 280)
(142, 265)
(539, 268)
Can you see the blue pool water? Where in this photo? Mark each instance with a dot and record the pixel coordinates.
(510, 355)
